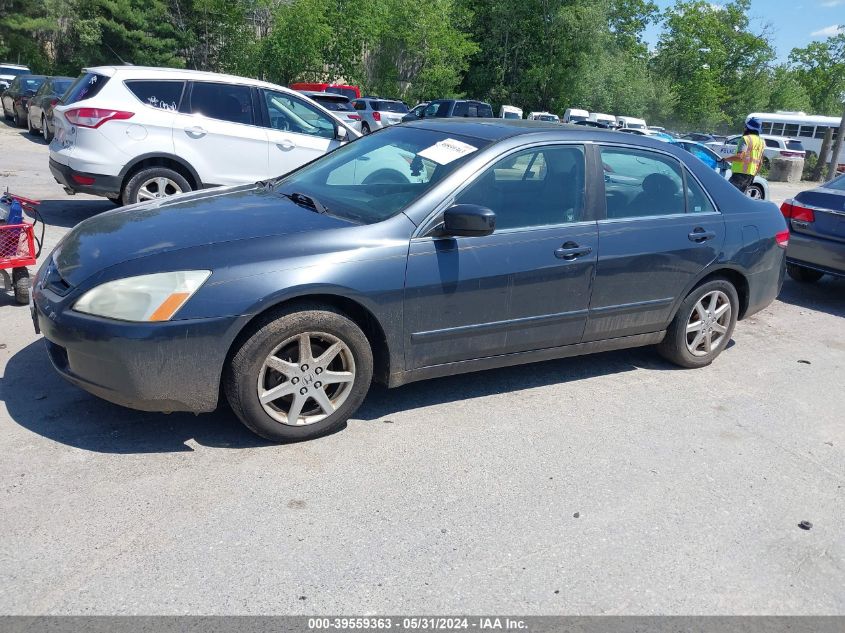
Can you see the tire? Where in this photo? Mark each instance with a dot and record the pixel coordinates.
(365, 128)
(145, 184)
(31, 129)
(21, 283)
(677, 347)
(116, 200)
(18, 121)
(45, 131)
(755, 192)
(279, 337)
(803, 275)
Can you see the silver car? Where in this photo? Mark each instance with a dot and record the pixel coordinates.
(339, 105)
(377, 113)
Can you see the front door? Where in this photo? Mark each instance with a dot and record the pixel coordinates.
(660, 232)
(526, 286)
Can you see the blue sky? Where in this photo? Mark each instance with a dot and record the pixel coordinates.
(793, 23)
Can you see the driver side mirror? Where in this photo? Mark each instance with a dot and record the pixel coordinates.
(468, 220)
(340, 133)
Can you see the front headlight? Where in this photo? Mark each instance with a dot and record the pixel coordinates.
(154, 297)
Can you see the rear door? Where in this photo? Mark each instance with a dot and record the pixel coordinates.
(217, 131)
(660, 231)
(297, 131)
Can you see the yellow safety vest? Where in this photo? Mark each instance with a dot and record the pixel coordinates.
(752, 155)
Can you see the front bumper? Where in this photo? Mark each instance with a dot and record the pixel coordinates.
(102, 186)
(167, 366)
(825, 255)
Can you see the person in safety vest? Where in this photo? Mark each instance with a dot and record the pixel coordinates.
(745, 164)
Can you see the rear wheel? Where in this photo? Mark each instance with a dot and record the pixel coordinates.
(20, 281)
(755, 191)
(29, 127)
(365, 129)
(18, 120)
(300, 375)
(44, 131)
(153, 183)
(702, 326)
(803, 275)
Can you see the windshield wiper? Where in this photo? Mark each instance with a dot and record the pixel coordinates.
(306, 201)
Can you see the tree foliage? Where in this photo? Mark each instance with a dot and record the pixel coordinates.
(711, 67)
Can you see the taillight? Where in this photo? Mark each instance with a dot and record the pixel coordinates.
(376, 116)
(354, 117)
(95, 117)
(796, 211)
(782, 239)
(788, 154)
(82, 180)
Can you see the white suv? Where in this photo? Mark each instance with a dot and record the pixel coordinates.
(131, 133)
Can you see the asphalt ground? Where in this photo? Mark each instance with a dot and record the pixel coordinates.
(609, 484)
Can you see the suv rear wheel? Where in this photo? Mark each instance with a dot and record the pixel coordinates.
(152, 183)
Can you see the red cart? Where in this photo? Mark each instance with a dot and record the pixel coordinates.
(17, 250)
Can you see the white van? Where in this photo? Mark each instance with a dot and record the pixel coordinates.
(601, 117)
(632, 123)
(574, 114)
(543, 116)
(510, 112)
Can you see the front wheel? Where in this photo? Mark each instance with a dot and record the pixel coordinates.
(21, 283)
(45, 132)
(300, 375)
(702, 326)
(153, 183)
(803, 275)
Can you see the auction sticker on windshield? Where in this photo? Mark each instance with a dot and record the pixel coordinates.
(445, 151)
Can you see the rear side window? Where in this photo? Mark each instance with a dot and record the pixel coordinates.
(485, 111)
(61, 85)
(770, 142)
(639, 183)
(164, 95)
(392, 106)
(226, 102)
(359, 105)
(461, 109)
(334, 105)
(86, 86)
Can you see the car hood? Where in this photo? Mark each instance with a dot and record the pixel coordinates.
(186, 221)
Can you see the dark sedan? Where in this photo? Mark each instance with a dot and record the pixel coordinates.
(428, 249)
(16, 97)
(817, 232)
(40, 111)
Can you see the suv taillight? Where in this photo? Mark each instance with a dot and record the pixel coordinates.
(796, 211)
(790, 154)
(782, 239)
(95, 117)
(376, 116)
(354, 117)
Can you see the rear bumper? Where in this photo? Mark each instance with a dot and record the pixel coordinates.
(764, 286)
(820, 254)
(102, 186)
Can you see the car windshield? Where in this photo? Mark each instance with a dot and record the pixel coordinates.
(32, 83)
(375, 177)
(547, 117)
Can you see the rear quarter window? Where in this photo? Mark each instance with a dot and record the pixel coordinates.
(163, 95)
(87, 85)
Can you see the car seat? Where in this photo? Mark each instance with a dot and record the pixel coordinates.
(660, 196)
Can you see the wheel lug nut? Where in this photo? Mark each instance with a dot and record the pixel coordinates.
(305, 368)
(319, 370)
(318, 384)
(303, 391)
(294, 380)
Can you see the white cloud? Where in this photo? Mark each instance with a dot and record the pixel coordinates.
(829, 31)
(829, 4)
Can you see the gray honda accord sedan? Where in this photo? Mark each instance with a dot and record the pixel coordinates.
(427, 249)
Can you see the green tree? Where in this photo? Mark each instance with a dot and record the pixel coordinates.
(787, 92)
(820, 68)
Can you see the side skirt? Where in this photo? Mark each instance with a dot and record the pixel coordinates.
(520, 358)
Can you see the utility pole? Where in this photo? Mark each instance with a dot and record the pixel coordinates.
(837, 146)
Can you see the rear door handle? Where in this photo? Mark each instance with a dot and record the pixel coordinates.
(195, 131)
(286, 145)
(699, 235)
(571, 250)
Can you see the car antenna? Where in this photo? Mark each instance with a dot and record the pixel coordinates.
(123, 61)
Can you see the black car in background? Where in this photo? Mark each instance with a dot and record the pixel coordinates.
(16, 97)
(816, 220)
(445, 108)
(40, 111)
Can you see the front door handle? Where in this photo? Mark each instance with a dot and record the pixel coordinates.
(195, 131)
(699, 235)
(286, 145)
(571, 250)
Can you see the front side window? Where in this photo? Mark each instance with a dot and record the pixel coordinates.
(640, 183)
(293, 115)
(159, 94)
(378, 175)
(225, 102)
(536, 187)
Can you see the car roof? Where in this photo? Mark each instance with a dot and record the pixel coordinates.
(498, 129)
(18, 66)
(151, 72)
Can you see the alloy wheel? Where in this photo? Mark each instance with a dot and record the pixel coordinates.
(44, 132)
(158, 187)
(708, 323)
(754, 192)
(306, 378)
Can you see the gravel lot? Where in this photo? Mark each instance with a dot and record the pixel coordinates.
(599, 485)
